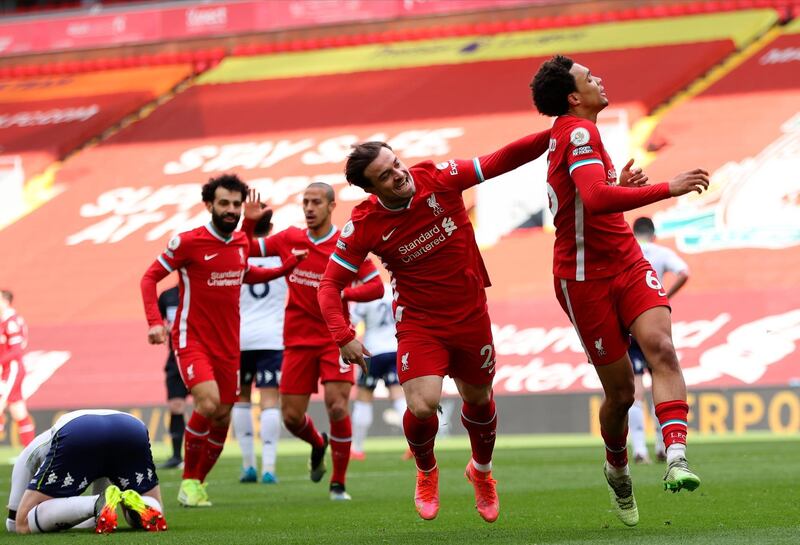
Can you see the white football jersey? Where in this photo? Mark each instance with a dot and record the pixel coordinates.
(379, 331)
(262, 309)
(663, 259)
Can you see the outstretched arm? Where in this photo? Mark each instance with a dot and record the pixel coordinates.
(259, 275)
(368, 291)
(513, 155)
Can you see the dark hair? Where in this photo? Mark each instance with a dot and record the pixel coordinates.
(359, 159)
(644, 227)
(231, 182)
(330, 194)
(552, 84)
(7, 295)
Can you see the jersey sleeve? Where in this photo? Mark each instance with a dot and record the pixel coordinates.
(177, 253)
(584, 147)
(352, 249)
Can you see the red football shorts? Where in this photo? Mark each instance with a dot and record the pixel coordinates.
(304, 366)
(196, 366)
(464, 351)
(602, 310)
(11, 387)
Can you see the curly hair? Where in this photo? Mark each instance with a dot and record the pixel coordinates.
(552, 84)
(231, 182)
(359, 159)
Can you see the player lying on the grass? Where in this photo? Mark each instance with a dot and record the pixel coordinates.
(601, 279)
(59, 464)
(416, 222)
(212, 265)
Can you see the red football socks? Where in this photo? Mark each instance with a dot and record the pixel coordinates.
(307, 432)
(215, 441)
(340, 439)
(481, 424)
(421, 435)
(672, 415)
(27, 431)
(616, 448)
(194, 441)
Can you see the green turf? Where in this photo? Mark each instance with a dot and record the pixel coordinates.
(549, 494)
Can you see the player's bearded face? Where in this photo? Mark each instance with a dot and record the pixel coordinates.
(226, 210)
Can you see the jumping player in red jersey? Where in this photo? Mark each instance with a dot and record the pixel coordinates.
(13, 340)
(212, 265)
(602, 281)
(310, 355)
(416, 222)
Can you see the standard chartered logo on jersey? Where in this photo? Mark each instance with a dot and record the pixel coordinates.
(227, 278)
(427, 240)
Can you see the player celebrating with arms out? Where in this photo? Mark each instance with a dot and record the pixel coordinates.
(602, 281)
(212, 265)
(416, 222)
(310, 355)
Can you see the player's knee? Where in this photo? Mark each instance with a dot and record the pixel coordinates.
(621, 400)
(292, 419)
(207, 406)
(421, 409)
(337, 409)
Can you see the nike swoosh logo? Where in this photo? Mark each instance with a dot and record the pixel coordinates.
(662, 293)
(387, 235)
(210, 256)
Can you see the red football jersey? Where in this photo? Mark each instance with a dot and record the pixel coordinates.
(428, 247)
(13, 333)
(210, 269)
(303, 324)
(588, 246)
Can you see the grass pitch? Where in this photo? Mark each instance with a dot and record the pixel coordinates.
(551, 491)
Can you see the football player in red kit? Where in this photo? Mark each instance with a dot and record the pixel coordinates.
(416, 222)
(602, 281)
(212, 265)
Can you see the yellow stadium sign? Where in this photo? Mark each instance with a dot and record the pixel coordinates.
(739, 26)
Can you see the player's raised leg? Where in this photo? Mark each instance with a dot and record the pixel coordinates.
(653, 329)
(420, 425)
(618, 385)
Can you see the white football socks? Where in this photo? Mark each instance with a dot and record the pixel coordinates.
(270, 433)
(242, 421)
(61, 513)
(362, 420)
(636, 429)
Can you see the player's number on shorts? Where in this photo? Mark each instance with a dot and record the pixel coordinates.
(258, 291)
(487, 351)
(653, 281)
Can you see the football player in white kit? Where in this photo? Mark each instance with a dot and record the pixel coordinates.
(85, 447)
(262, 309)
(664, 260)
(379, 339)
